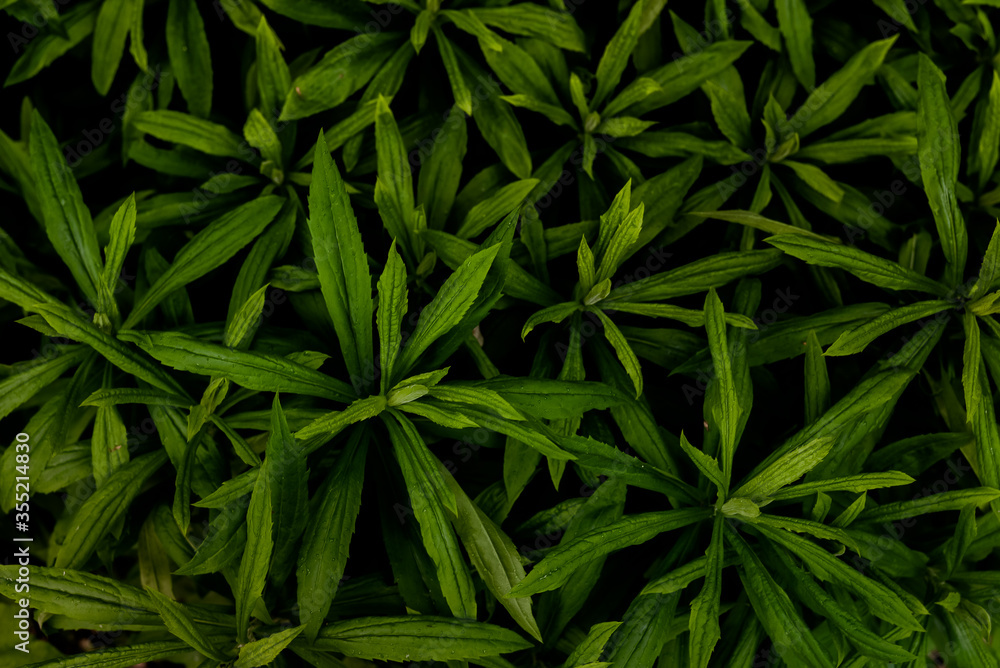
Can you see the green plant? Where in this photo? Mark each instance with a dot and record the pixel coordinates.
(533, 390)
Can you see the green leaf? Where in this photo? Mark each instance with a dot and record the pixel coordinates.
(449, 306)
(418, 638)
(83, 596)
(867, 267)
(559, 564)
(332, 423)
(285, 467)
(345, 14)
(759, 222)
(98, 514)
(938, 152)
(254, 371)
(394, 186)
(120, 657)
(391, 311)
(256, 559)
(182, 624)
(857, 339)
(67, 220)
(984, 152)
(263, 652)
(328, 534)
(817, 382)
(704, 620)
(729, 409)
(616, 55)
(519, 72)
(341, 72)
(831, 98)
(210, 248)
(50, 45)
(786, 469)
(709, 466)
(531, 20)
(459, 86)
(554, 399)
(775, 610)
(441, 171)
(431, 497)
(606, 459)
(796, 27)
(22, 386)
(622, 349)
(342, 263)
(491, 209)
(882, 601)
(190, 57)
(698, 276)
(496, 120)
(113, 24)
(493, 554)
(675, 80)
(273, 78)
(934, 503)
(197, 133)
(855, 483)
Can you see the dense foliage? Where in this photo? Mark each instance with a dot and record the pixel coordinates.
(501, 333)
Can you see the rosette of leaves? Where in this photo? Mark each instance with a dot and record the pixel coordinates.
(603, 122)
(801, 595)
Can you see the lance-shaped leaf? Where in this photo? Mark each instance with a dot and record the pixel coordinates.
(550, 398)
(210, 248)
(20, 387)
(264, 652)
(431, 497)
(286, 470)
(418, 638)
(391, 311)
(190, 57)
(273, 78)
(775, 610)
(448, 307)
(709, 466)
(786, 469)
(394, 186)
(493, 554)
(854, 483)
(989, 271)
(328, 534)
(857, 339)
(867, 267)
(934, 503)
(938, 150)
(122, 657)
(729, 410)
(254, 371)
(609, 460)
(182, 624)
(256, 561)
(866, 641)
(796, 28)
(831, 98)
(616, 55)
(698, 276)
(341, 263)
(113, 23)
(194, 132)
(66, 219)
(558, 565)
(82, 596)
(98, 514)
(704, 620)
(122, 234)
(622, 349)
(882, 601)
